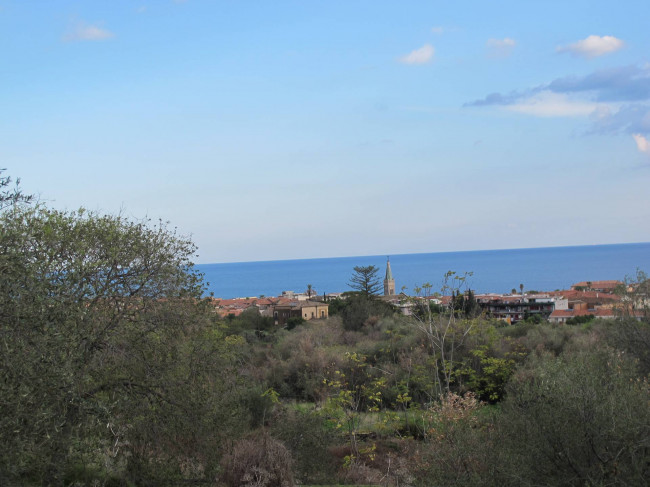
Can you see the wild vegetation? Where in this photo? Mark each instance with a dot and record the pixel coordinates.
(115, 371)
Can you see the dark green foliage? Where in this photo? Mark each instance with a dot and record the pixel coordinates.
(359, 308)
(11, 197)
(630, 336)
(260, 405)
(294, 321)
(305, 435)
(109, 359)
(364, 280)
(470, 307)
(534, 319)
(579, 419)
(554, 338)
(421, 312)
(251, 319)
(335, 306)
(580, 320)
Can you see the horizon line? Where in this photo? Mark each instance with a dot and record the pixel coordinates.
(421, 253)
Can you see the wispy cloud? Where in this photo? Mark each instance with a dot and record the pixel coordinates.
(422, 55)
(626, 83)
(500, 47)
(621, 84)
(81, 31)
(616, 100)
(444, 29)
(548, 104)
(642, 143)
(630, 119)
(593, 46)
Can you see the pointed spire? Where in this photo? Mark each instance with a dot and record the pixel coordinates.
(389, 282)
(389, 273)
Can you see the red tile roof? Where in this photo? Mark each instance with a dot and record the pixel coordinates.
(610, 284)
(570, 313)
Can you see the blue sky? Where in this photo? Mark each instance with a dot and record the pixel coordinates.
(277, 130)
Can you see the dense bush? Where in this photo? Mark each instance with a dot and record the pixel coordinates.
(578, 419)
(359, 310)
(258, 461)
(305, 434)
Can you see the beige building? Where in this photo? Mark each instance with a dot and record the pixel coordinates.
(307, 310)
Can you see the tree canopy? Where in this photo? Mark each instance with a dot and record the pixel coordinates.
(106, 348)
(364, 280)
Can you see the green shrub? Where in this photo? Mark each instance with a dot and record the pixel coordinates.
(578, 419)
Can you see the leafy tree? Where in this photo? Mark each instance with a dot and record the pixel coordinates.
(106, 348)
(578, 419)
(364, 280)
(445, 334)
(335, 306)
(580, 320)
(354, 390)
(251, 319)
(358, 309)
(471, 308)
(630, 336)
(294, 321)
(11, 197)
(302, 432)
(635, 297)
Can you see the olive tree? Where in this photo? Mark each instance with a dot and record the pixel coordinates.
(578, 419)
(105, 346)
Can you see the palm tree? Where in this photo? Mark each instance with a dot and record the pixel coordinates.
(309, 290)
(521, 288)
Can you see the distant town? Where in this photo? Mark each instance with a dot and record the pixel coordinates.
(597, 299)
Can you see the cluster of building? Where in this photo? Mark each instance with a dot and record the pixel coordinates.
(289, 305)
(596, 299)
(588, 298)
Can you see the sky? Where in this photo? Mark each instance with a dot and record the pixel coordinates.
(301, 129)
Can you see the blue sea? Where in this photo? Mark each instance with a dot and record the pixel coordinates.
(499, 271)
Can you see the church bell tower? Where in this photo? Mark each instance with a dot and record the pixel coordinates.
(389, 282)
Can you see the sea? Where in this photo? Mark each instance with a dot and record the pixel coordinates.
(498, 271)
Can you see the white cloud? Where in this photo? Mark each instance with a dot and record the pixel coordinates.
(548, 104)
(422, 55)
(87, 32)
(593, 46)
(438, 29)
(642, 143)
(501, 47)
